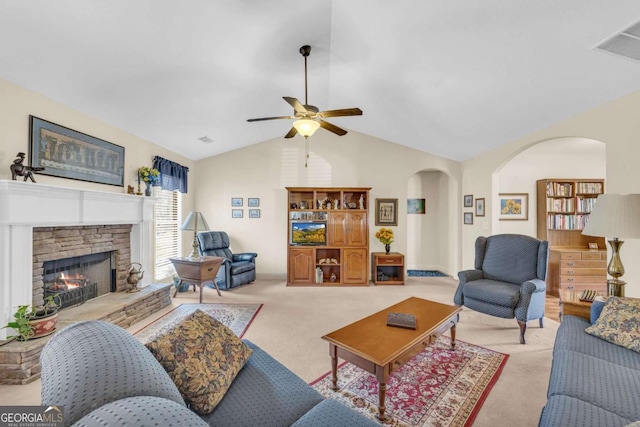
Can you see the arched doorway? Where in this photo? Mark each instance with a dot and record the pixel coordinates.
(567, 157)
(431, 237)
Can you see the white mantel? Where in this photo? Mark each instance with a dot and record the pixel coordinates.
(25, 205)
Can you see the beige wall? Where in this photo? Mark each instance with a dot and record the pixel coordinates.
(264, 170)
(16, 104)
(616, 124)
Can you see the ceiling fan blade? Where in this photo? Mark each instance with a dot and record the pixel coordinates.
(332, 128)
(295, 104)
(270, 118)
(291, 133)
(342, 112)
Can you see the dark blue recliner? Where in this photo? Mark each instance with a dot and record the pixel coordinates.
(508, 279)
(236, 269)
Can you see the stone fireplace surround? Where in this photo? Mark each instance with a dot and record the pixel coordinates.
(25, 206)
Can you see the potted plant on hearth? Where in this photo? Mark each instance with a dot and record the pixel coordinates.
(35, 322)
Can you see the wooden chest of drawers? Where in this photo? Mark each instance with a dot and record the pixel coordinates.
(577, 269)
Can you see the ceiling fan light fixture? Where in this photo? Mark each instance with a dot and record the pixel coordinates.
(306, 127)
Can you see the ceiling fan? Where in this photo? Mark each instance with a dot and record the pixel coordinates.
(308, 118)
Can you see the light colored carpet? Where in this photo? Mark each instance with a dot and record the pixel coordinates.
(293, 319)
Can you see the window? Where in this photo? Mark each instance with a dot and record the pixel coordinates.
(168, 216)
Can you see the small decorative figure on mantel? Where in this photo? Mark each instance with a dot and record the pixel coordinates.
(335, 203)
(19, 169)
(361, 201)
(130, 189)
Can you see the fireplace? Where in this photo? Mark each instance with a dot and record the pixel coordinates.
(78, 279)
(95, 260)
(40, 223)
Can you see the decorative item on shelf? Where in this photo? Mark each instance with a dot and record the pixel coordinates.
(615, 216)
(135, 275)
(319, 275)
(18, 168)
(333, 277)
(149, 176)
(195, 222)
(130, 189)
(385, 236)
(35, 322)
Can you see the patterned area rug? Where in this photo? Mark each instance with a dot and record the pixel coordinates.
(236, 317)
(438, 387)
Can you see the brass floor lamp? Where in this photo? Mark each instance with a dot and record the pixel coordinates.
(615, 216)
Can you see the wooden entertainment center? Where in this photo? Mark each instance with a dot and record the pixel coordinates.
(328, 236)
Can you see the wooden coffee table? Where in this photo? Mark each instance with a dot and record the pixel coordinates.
(380, 349)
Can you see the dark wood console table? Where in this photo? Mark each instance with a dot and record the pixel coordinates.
(198, 271)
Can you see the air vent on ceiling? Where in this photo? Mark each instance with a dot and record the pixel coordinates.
(626, 43)
(206, 139)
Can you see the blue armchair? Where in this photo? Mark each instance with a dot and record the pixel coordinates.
(236, 269)
(508, 280)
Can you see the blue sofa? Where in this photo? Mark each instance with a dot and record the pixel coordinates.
(103, 376)
(593, 383)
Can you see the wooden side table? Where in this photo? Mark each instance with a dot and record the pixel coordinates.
(387, 269)
(570, 304)
(198, 271)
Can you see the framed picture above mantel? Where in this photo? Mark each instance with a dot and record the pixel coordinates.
(67, 153)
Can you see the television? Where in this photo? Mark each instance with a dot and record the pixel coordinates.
(308, 233)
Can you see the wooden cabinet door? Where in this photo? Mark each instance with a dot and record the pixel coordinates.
(337, 228)
(357, 234)
(301, 266)
(354, 263)
(348, 229)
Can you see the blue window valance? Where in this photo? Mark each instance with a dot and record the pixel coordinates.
(172, 175)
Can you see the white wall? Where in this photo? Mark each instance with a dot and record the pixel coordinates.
(16, 104)
(557, 158)
(264, 170)
(616, 124)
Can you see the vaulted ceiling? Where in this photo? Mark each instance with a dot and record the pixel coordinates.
(451, 77)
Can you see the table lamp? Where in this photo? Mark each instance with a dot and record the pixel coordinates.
(615, 216)
(195, 221)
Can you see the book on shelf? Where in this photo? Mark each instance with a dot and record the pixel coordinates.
(401, 320)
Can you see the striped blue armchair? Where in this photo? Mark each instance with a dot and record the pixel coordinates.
(508, 280)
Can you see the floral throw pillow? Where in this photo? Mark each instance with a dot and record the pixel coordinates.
(619, 323)
(202, 357)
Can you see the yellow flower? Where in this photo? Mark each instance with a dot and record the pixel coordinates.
(148, 174)
(385, 235)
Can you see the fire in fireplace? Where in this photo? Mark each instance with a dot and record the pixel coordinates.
(78, 279)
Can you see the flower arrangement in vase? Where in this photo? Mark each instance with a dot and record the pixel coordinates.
(385, 235)
(149, 176)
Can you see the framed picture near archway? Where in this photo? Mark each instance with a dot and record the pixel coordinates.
(480, 206)
(386, 211)
(513, 206)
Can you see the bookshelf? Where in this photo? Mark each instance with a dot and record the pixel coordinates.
(563, 210)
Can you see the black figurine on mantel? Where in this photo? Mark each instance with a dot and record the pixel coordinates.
(19, 169)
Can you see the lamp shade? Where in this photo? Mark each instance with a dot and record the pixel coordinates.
(616, 216)
(306, 127)
(195, 221)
